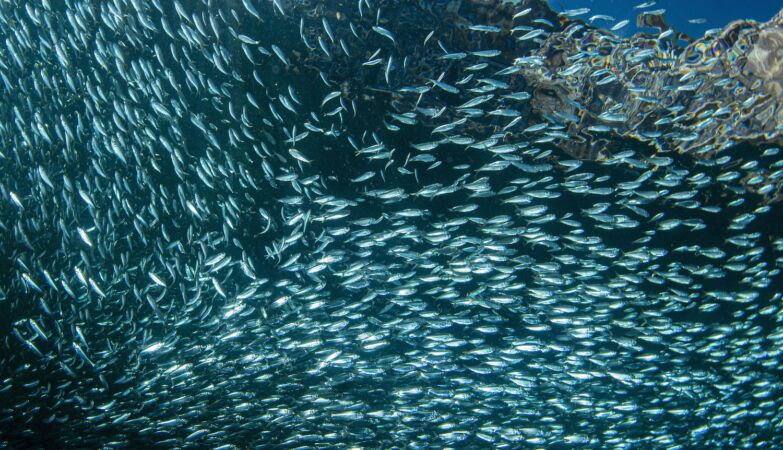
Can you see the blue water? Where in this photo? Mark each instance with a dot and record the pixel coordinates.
(678, 12)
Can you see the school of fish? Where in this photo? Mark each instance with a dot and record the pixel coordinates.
(236, 224)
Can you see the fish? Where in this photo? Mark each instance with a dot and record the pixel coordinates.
(385, 33)
(251, 9)
(332, 224)
(531, 34)
(485, 28)
(619, 25)
(279, 53)
(328, 29)
(645, 5)
(571, 13)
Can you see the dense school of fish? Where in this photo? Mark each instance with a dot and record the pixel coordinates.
(305, 224)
